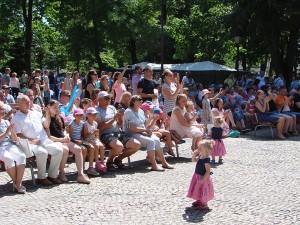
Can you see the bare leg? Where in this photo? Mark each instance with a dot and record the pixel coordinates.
(280, 125)
(132, 146)
(84, 152)
(20, 173)
(12, 173)
(64, 158)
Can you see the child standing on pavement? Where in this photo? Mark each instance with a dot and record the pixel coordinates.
(216, 133)
(201, 187)
(91, 135)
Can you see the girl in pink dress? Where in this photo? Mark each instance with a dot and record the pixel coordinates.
(216, 134)
(201, 187)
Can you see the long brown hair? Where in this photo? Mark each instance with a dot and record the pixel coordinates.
(53, 102)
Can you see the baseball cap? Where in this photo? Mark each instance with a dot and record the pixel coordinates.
(103, 94)
(157, 111)
(78, 111)
(91, 110)
(205, 91)
(5, 86)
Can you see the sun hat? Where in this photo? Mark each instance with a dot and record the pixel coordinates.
(205, 91)
(91, 110)
(78, 111)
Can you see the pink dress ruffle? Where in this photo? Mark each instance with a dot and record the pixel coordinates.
(202, 192)
(218, 149)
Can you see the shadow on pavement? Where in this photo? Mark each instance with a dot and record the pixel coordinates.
(193, 215)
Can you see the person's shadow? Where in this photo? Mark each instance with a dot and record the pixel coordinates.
(193, 215)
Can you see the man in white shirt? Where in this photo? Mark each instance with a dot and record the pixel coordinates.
(278, 81)
(29, 125)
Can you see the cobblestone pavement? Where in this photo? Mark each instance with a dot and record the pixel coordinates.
(257, 184)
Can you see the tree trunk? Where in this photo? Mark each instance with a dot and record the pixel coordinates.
(27, 16)
(275, 51)
(96, 36)
(132, 50)
(292, 48)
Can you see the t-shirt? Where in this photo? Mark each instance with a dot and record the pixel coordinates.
(279, 100)
(135, 118)
(200, 166)
(216, 132)
(105, 115)
(77, 130)
(55, 128)
(135, 80)
(9, 99)
(119, 89)
(148, 87)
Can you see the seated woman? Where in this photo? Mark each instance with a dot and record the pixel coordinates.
(136, 125)
(13, 158)
(55, 128)
(226, 115)
(181, 126)
(124, 101)
(264, 114)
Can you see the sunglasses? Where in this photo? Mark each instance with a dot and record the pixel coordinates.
(68, 96)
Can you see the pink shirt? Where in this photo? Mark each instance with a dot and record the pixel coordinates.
(119, 89)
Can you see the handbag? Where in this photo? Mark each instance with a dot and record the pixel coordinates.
(23, 144)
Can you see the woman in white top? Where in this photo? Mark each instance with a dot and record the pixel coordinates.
(136, 125)
(181, 126)
(14, 85)
(170, 90)
(13, 158)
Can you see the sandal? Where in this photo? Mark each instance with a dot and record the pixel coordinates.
(119, 163)
(170, 152)
(168, 167)
(158, 170)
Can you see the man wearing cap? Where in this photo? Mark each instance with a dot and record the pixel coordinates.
(8, 99)
(30, 125)
(109, 122)
(146, 86)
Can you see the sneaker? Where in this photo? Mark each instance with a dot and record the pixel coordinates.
(220, 161)
(83, 179)
(92, 172)
(213, 161)
(101, 167)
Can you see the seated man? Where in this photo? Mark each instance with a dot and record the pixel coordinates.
(66, 111)
(29, 125)
(33, 106)
(109, 123)
(8, 99)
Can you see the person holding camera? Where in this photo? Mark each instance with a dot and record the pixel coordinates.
(136, 124)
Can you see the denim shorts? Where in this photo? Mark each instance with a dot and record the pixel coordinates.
(109, 137)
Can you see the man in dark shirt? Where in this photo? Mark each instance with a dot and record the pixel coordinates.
(146, 86)
(297, 100)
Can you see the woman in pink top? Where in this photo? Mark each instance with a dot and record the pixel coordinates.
(118, 87)
(14, 84)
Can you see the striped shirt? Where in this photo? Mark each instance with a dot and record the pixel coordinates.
(169, 104)
(77, 130)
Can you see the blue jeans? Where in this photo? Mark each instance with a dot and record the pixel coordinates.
(297, 114)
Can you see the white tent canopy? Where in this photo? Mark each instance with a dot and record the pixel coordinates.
(196, 66)
(201, 66)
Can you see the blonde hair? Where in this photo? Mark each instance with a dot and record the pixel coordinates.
(219, 120)
(179, 96)
(207, 144)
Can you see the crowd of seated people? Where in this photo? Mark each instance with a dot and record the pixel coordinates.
(105, 111)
